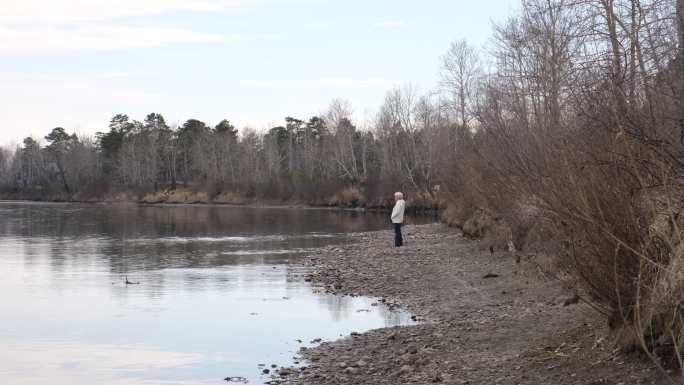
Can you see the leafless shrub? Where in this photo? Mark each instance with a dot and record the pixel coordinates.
(349, 197)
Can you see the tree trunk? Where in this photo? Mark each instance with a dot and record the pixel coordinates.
(680, 33)
(62, 173)
(617, 73)
(679, 89)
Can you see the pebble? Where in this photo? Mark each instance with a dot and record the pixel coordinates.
(284, 372)
(405, 369)
(351, 370)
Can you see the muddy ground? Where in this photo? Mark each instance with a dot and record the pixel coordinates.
(514, 327)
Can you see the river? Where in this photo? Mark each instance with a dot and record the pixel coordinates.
(216, 292)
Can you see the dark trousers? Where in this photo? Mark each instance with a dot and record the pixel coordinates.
(398, 240)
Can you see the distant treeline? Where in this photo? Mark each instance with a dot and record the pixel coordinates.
(568, 132)
(323, 160)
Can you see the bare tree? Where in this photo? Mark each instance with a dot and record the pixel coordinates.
(6, 160)
(680, 34)
(344, 136)
(461, 71)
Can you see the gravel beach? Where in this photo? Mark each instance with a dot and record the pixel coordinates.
(484, 318)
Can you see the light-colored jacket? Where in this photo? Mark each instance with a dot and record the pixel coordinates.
(398, 211)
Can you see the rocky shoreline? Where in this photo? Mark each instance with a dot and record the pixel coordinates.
(486, 318)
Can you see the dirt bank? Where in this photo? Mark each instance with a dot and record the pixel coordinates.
(514, 327)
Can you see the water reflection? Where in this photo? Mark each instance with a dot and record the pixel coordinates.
(217, 293)
(124, 221)
(76, 364)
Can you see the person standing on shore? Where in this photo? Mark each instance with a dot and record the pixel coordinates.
(398, 217)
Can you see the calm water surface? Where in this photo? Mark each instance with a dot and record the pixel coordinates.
(217, 293)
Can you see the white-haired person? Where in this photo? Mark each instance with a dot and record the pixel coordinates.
(398, 217)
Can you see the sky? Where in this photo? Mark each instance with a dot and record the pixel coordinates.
(76, 63)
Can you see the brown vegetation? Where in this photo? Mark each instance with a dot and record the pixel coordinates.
(579, 138)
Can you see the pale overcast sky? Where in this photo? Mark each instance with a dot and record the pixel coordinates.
(76, 63)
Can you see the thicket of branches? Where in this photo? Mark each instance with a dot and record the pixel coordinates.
(579, 128)
(572, 120)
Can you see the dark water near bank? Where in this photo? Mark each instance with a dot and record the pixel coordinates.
(218, 294)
